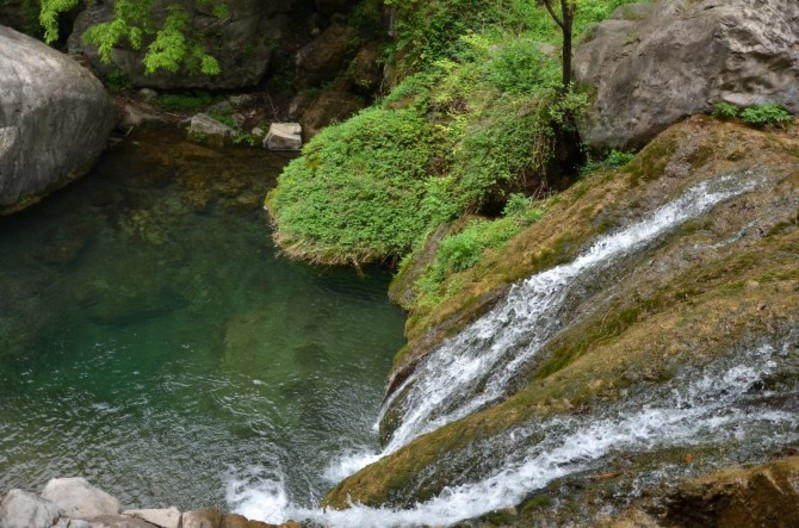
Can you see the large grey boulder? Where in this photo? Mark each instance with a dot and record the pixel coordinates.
(21, 509)
(649, 67)
(242, 42)
(80, 499)
(55, 118)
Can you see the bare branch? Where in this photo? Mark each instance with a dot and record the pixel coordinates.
(555, 17)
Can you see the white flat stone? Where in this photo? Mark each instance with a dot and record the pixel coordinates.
(80, 499)
(284, 136)
(164, 518)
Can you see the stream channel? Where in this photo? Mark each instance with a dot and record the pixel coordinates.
(153, 341)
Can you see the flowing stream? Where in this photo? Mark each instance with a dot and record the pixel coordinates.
(701, 406)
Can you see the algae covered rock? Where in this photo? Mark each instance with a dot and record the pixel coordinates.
(625, 376)
(647, 71)
(55, 118)
(763, 496)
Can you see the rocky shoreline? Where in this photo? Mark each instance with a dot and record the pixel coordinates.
(75, 503)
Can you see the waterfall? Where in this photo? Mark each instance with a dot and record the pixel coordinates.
(474, 369)
(701, 405)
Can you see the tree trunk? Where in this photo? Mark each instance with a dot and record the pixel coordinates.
(568, 19)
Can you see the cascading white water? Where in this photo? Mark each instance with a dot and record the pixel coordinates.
(474, 369)
(700, 406)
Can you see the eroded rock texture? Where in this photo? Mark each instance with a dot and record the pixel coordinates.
(55, 118)
(648, 67)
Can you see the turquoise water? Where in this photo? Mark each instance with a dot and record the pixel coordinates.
(152, 341)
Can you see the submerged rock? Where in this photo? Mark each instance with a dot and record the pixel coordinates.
(21, 509)
(202, 128)
(55, 119)
(118, 521)
(648, 71)
(80, 499)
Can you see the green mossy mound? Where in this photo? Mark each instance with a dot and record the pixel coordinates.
(477, 114)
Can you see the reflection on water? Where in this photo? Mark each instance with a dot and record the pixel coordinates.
(152, 341)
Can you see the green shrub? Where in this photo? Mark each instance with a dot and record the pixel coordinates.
(464, 250)
(188, 102)
(118, 81)
(618, 158)
(356, 195)
(722, 110)
(614, 159)
(767, 114)
(520, 67)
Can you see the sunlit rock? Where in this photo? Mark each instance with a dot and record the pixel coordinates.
(21, 509)
(80, 499)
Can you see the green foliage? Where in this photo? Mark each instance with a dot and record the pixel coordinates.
(117, 81)
(722, 110)
(171, 47)
(618, 158)
(767, 114)
(356, 193)
(613, 160)
(474, 120)
(464, 250)
(186, 101)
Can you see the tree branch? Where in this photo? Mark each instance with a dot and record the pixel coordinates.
(558, 21)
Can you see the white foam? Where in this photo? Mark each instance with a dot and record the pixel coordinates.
(474, 369)
(349, 463)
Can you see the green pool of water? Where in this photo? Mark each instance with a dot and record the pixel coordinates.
(152, 340)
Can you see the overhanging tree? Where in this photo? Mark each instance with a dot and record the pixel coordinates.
(169, 47)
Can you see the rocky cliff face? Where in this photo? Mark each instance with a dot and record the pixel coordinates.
(652, 65)
(55, 118)
(246, 42)
(564, 437)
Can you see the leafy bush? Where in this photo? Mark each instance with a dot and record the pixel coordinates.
(768, 114)
(618, 158)
(118, 81)
(356, 195)
(613, 159)
(174, 45)
(722, 110)
(464, 250)
(520, 67)
(474, 120)
(190, 102)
